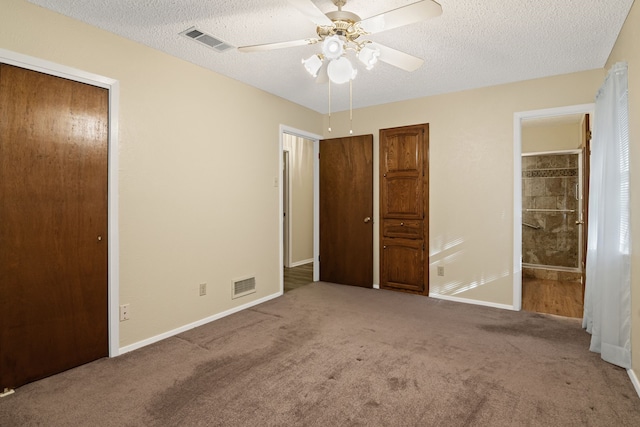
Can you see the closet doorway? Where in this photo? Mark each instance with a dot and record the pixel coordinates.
(54, 261)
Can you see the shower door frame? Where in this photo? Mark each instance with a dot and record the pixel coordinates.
(578, 210)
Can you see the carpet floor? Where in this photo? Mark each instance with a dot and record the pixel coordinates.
(331, 355)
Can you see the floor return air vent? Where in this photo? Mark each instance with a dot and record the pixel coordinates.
(242, 287)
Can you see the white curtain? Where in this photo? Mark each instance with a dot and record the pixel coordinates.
(607, 305)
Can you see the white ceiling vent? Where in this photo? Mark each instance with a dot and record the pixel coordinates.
(242, 287)
(206, 39)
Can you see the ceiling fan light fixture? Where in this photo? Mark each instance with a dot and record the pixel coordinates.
(341, 71)
(332, 47)
(312, 64)
(368, 56)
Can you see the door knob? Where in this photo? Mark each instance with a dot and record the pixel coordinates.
(99, 238)
(367, 219)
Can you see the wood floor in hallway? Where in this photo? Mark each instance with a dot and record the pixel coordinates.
(552, 297)
(298, 276)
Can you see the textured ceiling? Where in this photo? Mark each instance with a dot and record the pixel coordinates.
(474, 43)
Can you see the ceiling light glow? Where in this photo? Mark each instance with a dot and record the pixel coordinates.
(341, 71)
(368, 56)
(333, 47)
(312, 64)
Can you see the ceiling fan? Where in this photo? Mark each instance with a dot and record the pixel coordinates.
(341, 31)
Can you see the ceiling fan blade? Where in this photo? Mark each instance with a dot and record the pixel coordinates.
(308, 9)
(405, 15)
(280, 45)
(396, 58)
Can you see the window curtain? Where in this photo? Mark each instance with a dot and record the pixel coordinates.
(607, 305)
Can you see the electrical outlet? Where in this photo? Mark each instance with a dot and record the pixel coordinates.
(440, 270)
(124, 312)
(203, 289)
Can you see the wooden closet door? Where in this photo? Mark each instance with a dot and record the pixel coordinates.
(53, 224)
(404, 201)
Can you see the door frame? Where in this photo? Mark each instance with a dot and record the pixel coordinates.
(286, 209)
(316, 199)
(517, 183)
(113, 86)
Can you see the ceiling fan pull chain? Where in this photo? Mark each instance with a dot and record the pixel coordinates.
(329, 105)
(351, 107)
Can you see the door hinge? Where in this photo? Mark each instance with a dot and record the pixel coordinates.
(589, 135)
(423, 247)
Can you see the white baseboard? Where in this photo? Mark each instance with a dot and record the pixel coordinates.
(201, 322)
(303, 262)
(376, 286)
(634, 380)
(472, 301)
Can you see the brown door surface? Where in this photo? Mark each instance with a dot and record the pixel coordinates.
(53, 225)
(404, 198)
(586, 167)
(346, 210)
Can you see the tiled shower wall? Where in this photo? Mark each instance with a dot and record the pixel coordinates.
(549, 203)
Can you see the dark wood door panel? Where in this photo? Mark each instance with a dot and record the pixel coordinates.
(346, 209)
(403, 228)
(586, 173)
(53, 224)
(402, 196)
(403, 151)
(403, 264)
(404, 200)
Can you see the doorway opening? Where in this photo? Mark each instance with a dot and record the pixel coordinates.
(550, 209)
(552, 233)
(299, 198)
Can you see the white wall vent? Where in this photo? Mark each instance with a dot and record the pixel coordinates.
(242, 287)
(206, 39)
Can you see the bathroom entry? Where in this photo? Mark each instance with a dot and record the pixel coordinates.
(553, 195)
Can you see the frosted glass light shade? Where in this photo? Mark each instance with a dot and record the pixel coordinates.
(312, 64)
(341, 71)
(332, 47)
(368, 56)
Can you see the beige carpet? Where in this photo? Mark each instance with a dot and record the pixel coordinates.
(325, 355)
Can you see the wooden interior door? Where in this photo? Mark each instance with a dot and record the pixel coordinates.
(404, 204)
(53, 224)
(346, 210)
(584, 221)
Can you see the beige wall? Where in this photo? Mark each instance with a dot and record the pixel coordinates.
(471, 175)
(542, 138)
(301, 198)
(193, 175)
(627, 48)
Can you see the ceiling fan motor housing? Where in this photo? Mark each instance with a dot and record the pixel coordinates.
(344, 24)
